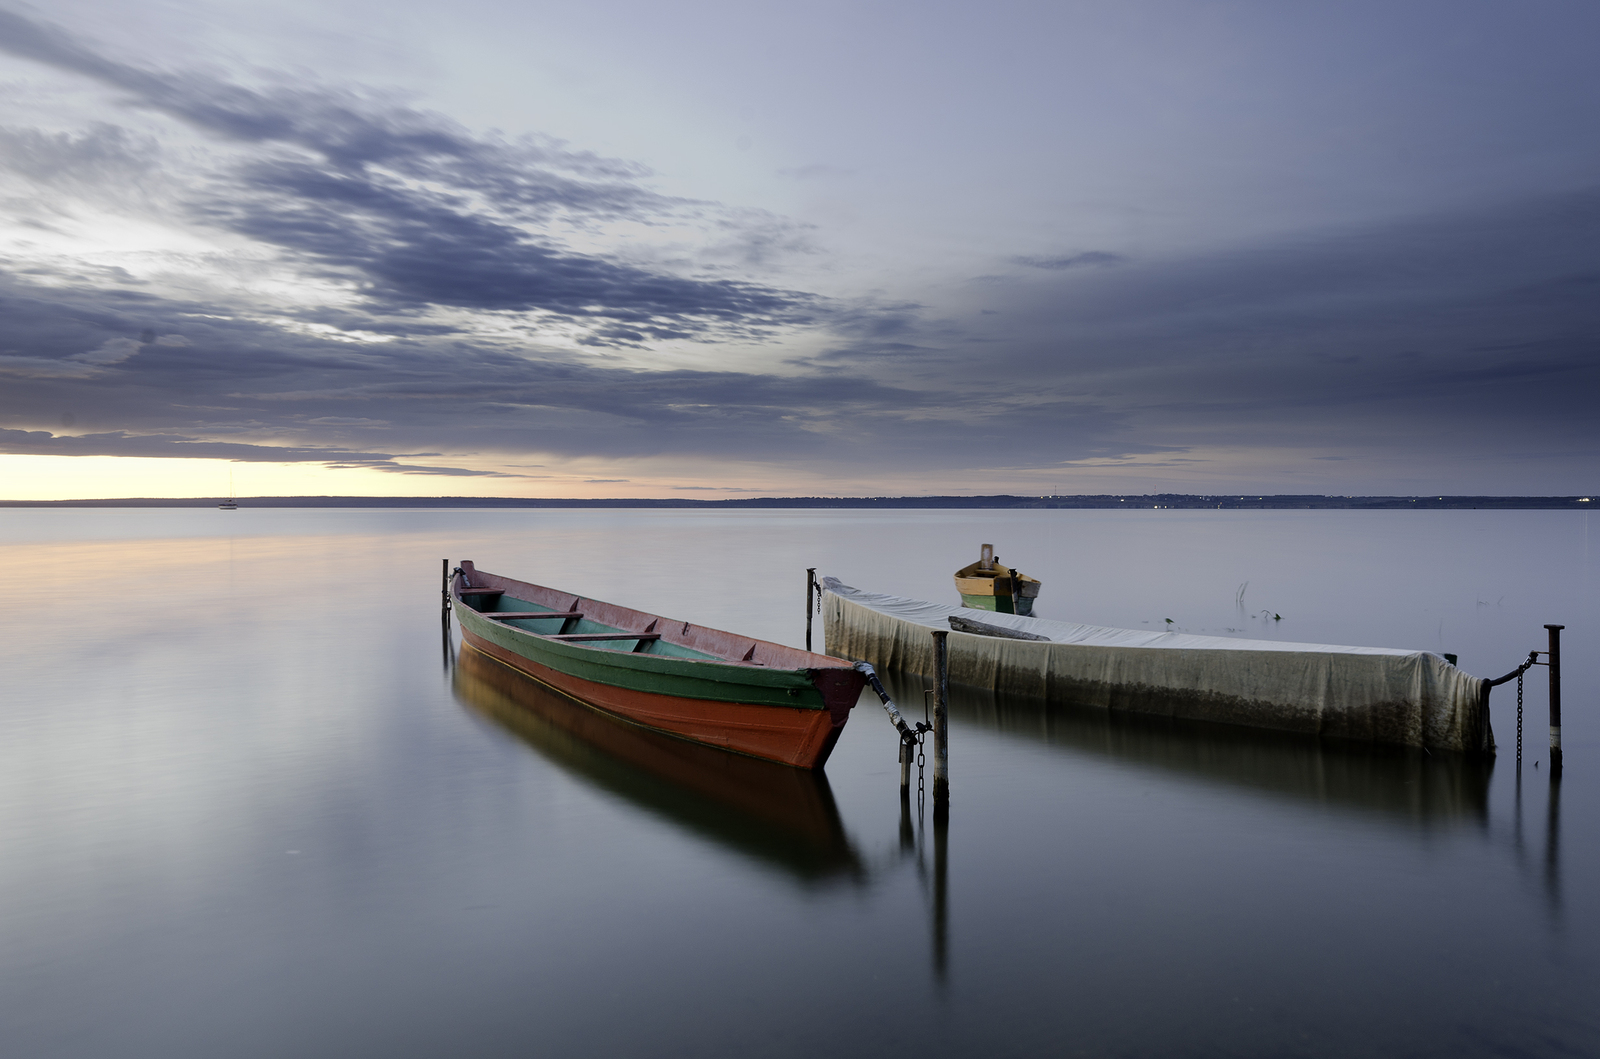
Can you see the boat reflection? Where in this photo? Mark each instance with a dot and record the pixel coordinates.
(1395, 782)
(781, 816)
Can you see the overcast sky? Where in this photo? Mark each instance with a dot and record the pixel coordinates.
(645, 249)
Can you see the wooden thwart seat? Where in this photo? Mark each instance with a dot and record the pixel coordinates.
(576, 637)
(507, 615)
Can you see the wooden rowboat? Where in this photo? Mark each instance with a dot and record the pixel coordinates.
(700, 684)
(987, 585)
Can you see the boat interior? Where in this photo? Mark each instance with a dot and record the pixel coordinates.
(995, 572)
(591, 623)
(572, 625)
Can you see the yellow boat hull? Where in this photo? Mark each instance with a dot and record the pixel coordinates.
(1000, 589)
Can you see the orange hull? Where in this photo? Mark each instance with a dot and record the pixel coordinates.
(799, 737)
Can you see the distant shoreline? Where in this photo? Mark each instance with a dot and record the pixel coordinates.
(1103, 501)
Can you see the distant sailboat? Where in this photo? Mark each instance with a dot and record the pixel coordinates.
(228, 504)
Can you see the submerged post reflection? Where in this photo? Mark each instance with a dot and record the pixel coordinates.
(941, 891)
(1552, 844)
(449, 642)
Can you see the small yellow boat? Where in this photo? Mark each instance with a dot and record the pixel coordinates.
(987, 585)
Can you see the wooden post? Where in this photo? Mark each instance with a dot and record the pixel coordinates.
(444, 588)
(1555, 696)
(941, 719)
(811, 581)
(907, 752)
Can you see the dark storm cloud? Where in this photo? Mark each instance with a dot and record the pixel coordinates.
(1471, 334)
(184, 373)
(1481, 326)
(409, 207)
(417, 247)
(415, 212)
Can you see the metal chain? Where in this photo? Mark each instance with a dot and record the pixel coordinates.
(921, 760)
(1519, 718)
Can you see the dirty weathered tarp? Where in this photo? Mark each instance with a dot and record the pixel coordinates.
(1376, 694)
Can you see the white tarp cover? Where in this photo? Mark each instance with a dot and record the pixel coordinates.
(1376, 694)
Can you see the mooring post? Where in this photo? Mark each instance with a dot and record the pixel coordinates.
(1555, 695)
(941, 720)
(444, 587)
(908, 751)
(811, 583)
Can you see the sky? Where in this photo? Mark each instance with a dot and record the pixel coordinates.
(621, 249)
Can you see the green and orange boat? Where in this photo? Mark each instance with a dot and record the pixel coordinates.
(704, 685)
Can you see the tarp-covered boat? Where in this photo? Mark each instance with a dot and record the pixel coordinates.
(989, 585)
(705, 685)
(1376, 694)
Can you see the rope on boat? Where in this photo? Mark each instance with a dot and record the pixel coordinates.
(907, 733)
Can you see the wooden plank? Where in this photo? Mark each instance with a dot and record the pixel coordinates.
(983, 628)
(644, 641)
(482, 591)
(504, 615)
(578, 637)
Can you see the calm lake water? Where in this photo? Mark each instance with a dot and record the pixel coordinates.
(251, 806)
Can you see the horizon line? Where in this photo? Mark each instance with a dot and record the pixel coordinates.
(995, 500)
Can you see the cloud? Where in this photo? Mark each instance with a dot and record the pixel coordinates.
(111, 351)
(121, 443)
(1456, 337)
(75, 366)
(1087, 259)
(455, 272)
(42, 368)
(411, 211)
(101, 153)
(294, 395)
(409, 247)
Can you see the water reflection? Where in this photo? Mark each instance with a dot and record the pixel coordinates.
(941, 893)
(782, 816)
(1427, 789)
(1552, 843)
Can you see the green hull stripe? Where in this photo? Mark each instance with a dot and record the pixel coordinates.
(998, 604)
(656, 674)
